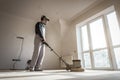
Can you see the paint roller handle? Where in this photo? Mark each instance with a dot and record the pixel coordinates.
(19, 37)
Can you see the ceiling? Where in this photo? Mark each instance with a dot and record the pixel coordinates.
(54, 9)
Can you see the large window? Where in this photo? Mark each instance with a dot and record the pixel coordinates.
(100, 38)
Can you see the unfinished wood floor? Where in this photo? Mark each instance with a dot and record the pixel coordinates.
(59, 75)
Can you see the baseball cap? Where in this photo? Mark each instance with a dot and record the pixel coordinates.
(44, 17)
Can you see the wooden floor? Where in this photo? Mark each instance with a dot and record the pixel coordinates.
(59, 75)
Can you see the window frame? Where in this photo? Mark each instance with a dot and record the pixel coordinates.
(109, 47)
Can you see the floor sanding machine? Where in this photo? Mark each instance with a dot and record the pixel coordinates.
(76, 67)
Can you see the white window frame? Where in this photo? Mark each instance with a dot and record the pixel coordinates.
(109, 47)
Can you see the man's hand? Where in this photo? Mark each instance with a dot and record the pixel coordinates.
(42, 39)
(44, 42)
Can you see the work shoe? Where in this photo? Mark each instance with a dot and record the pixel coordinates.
(38, 70)
(31, 69)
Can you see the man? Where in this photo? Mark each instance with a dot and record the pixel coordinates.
(39, 47)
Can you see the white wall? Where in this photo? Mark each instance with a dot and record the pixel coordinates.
(53, 38)
(68, 48)
(12, 26)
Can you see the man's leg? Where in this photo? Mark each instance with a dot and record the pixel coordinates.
(35, 53)
(40, 58)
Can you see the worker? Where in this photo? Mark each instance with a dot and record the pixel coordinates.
(39, 47)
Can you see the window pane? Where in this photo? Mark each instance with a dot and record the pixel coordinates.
(85, 38)
(117, 56)
(97, 34)
(114, 28)
(87, 60)
(101, 58)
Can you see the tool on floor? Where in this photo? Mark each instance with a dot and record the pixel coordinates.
(21, 48)
(76, 63)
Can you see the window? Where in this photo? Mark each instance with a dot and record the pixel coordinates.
(85, 46)
(99, 39)
(101, 58)
(114, 29)
(87, 60)
(117, 56)
(97, 34)
(85, 38)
